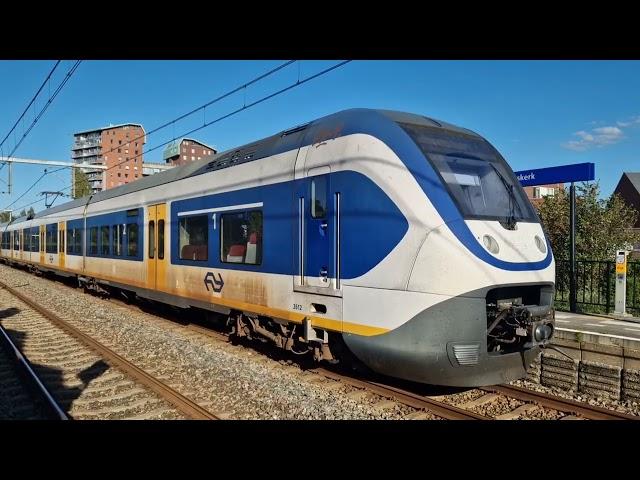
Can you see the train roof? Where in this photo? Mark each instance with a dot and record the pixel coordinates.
(340, 123)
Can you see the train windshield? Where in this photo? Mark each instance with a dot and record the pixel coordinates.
(478, 178)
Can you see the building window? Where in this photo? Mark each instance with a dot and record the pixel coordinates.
(136, 152)
(193, 150)
(119, 142)
(119, 174)
(106, 158)
(193, 158)
(119, 150)
(184, 150)
(126, 150)
(194, 238)
(541, 192)
(184, 157)
(241, 237)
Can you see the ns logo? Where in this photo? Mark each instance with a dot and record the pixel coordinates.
(215, 283)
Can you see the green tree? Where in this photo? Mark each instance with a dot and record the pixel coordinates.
(602, 225)
(81, 187)
(4, 217)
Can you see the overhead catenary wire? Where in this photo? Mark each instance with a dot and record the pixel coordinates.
(244, 107)
(27, 108)
(37, 118)
(181, 117)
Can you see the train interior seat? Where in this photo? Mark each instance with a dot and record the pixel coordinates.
(194, 252)
(236, 253)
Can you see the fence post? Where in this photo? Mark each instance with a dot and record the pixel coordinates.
(608, 280)
(572, 250)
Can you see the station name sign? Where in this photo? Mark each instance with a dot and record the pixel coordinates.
(578, 172)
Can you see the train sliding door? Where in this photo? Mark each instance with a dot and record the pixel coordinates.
(61, 243)
(156, 249)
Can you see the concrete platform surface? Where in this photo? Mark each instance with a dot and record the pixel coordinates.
(599, 325)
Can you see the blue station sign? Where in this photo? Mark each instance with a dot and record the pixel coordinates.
(578, 172)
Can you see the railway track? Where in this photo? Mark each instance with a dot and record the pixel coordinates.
(87, 379)
(20, 395)
(509, 402)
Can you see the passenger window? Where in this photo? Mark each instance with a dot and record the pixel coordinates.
(194, 238)
(35, 246)
(93, 241)
(26, 239)
(160, 239)
(132, 234)
(104, 240)
(117, 231)
(71, 235)
(152, 237)
(52, 238)
(319, 197)
(79, 232)
(241, 237)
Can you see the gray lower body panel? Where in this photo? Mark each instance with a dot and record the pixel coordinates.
(421, 350)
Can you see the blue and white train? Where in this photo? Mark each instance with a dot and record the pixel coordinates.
(399, 240)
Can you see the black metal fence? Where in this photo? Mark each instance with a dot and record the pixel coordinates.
(595, 286)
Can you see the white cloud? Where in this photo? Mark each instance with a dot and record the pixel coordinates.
(629, 122)
(598, 137)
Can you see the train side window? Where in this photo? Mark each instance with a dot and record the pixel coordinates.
(116, 232)
(93, 241)
(241, 237)
(194, 238)
(104, 240)
(160, 239)
(152, 237)
(319, 197)
(16, 240)
(132, 242)
(77, 240)
(35, 240)
(71, 234)
(26, 240)
(52, 239)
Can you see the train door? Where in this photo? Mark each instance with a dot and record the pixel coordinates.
(61, 241)
(318, 234)
(43, 242)
(156, 250)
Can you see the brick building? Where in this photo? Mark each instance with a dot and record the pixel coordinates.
(187, 150)
(536, 194)
(120, 145)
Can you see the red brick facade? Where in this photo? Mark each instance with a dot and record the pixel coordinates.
(122, 150)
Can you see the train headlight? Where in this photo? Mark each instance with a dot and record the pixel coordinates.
(491, 244)
(542, 332)
(540, 243)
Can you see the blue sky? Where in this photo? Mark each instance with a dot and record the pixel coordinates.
(536, 113)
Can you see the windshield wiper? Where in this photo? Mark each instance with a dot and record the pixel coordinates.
(511, 219)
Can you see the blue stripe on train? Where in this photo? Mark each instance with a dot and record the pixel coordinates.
(378, 125)
(371, 225)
